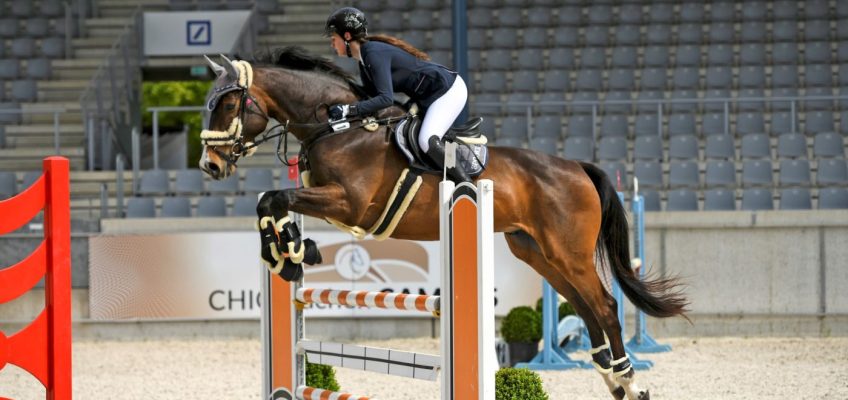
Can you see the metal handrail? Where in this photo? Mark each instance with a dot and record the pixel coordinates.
(156, 111)
(56, 111)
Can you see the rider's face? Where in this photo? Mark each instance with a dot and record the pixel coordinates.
(337, 43)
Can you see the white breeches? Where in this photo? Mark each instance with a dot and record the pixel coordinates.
(442, 113)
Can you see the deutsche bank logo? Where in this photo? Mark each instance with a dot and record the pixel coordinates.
(198, 33)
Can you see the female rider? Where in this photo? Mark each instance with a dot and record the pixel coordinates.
(387, 65)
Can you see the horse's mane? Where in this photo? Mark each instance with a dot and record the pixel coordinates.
(297, 58)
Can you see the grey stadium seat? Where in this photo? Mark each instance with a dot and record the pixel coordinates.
(547, 145)
(661, 13)
(755, 145)
(561, 57)
(535, 37)
(518, 103)
(175, 207)
(8, 184)
(646, 125)
(621, 79)
(713, 124)
(567, 36)
(612, 149)
(649, 174)
(227, 186)
(819, 121)
(540, 16)
(752, 76)
(580, 125)
(720, 95)
(441, 39)
(188, 181)
(818, 75)
(392, 20)
(795, 173)
(753, 11)
(721, 32)
(719, 200)
(795, 199)
(10, 69)
(493, 82)
(37, 27)
(817, 30)
(525, 81)
(784, 76)
(614, 125)
(623, 57)
(757, 173)
(509, 142)
(723, 11)
(589, 79)
(244, 206)
(579, 148)
(832, 172)
(718, 78)
(720, 54)
(600, 14)
(258, 180)
(154, 182)
(8, 28)
(681, 147)
(842, 52)
(816, 9)
(650, 148)
(211, 207)
(38, 68)
(530, 58)
(499, 59)
(656, 56)
(679, 103)
(686, 78)
(509, 17)
(781, 122)
(630, 14)
(784, 53)
(683, 174)
(592, 57)
(23, 47)
(690, 33)
(817, 53)
(569, 15)
(547, 126)
(514, 126)
(833, 198)
(53, 47)
(784, 31)
(22, 8)
(752, 54)
(623, 96)
(843, 122)
(653, 79)
(750, 123)
(681, 200)
(689, 56)
(828, 144)
(785, 9)
(751, 105)
(753, 31)
(651, 199)
(720, 147)
(553, 97)
(681, 124)
(141, 207)
(754, 199)
(617, 173)
(24, 90)
(720, 174)
(818, 104)
(791, 145)
(658, 34)
(645, 105)
(627, 35)
(597, 35)
(692, 11)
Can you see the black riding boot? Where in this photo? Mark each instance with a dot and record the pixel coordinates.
(437, 154)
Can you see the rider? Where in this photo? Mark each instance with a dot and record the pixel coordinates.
(387, 65)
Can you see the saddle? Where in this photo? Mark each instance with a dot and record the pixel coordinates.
(472, 153)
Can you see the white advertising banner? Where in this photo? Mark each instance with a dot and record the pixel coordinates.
(216, 275)
(192, 32)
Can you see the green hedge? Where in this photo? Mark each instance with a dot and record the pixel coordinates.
(518, 384)
(176, 93)
(522, 324)
(321, 377)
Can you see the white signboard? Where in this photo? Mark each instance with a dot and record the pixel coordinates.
(216, 275)
(192, 32)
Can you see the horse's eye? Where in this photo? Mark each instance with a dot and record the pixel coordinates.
(229, 107)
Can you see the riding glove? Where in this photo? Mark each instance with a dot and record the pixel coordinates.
(340, 111)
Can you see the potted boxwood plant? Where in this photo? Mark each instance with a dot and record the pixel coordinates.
(521, 329)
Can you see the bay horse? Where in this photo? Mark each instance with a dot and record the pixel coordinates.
(557, 215)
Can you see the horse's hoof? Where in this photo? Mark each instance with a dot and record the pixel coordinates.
(619, 393)
(646, 395)
(291, 271)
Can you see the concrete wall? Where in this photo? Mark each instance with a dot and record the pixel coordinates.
(762, 274)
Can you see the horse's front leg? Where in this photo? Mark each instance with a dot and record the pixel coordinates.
(283, 249)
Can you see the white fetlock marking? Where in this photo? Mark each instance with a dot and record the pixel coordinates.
(628, 383)
(296, 257)
(612, 385)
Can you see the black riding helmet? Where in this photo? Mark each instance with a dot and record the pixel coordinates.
(347, 19)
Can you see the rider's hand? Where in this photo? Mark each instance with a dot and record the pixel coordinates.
(339, 111)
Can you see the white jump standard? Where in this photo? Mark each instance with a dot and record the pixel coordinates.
(466, 307)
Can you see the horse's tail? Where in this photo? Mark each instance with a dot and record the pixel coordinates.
(657, 297)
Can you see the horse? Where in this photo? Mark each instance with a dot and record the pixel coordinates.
(557, 215)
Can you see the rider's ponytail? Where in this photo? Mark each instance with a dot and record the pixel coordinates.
(401, 44)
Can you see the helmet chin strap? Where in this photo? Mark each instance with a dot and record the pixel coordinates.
(347, 48)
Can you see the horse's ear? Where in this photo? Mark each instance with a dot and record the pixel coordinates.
(217, 68)
(229, 68)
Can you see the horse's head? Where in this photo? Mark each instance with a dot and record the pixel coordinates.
(236, 118)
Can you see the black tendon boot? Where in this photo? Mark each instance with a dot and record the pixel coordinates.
(437, 154)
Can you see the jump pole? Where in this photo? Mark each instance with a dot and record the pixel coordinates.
(466, 307)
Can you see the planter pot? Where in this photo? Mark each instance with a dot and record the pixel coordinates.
(522, 352)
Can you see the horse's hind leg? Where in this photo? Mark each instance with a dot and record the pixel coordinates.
(526, 249)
